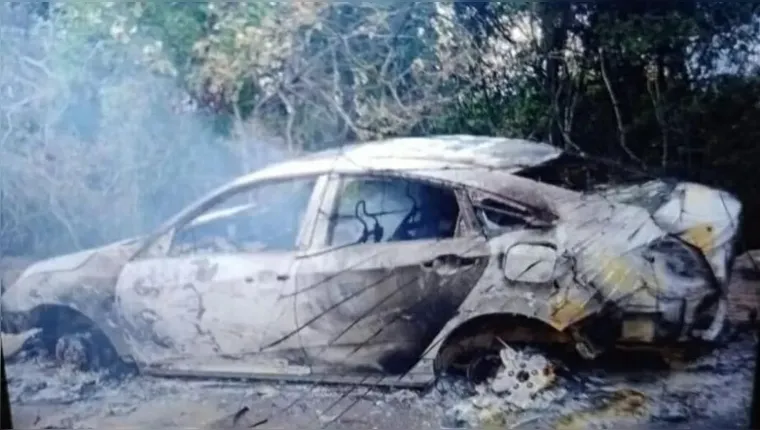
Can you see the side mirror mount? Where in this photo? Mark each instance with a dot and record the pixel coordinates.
(532, 263)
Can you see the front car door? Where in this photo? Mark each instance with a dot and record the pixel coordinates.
(390, 261)
(210, 300)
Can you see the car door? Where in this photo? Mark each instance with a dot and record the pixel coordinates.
(214, 295)
(390, 261)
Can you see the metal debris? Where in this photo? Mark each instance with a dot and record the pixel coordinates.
(14, 343)
(524, 382)
(522, 376)
(241, 419)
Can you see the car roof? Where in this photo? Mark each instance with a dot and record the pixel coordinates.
(442, 152)
(485, 162)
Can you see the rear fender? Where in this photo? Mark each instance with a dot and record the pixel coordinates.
(550, 312)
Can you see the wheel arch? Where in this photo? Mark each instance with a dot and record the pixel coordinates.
(482, 329)
(45, 316)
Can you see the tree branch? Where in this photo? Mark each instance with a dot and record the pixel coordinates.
(622, 130)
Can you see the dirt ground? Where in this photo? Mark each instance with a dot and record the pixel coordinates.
(712, 392)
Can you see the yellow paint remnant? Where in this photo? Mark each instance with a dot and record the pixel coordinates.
(701, 235)
(639, 329)
(492, 418)
(566, 313)
(623, 404)
(619, 277)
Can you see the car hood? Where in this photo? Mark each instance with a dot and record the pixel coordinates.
(83, 281)
(70, 262)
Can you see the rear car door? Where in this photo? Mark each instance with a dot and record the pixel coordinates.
(215, 295)
(390, 261)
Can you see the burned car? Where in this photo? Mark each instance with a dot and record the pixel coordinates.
(389, 262)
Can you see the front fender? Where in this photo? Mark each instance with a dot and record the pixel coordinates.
(81, 293)
(26, 307)
(86, 288)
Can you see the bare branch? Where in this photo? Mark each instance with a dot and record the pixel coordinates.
(622, 129)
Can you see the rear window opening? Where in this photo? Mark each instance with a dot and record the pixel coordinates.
(497, 217)
(579, 173)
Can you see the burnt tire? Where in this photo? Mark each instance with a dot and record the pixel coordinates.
(86, 350)
(482, 367)
(71, 339)
(77, 350)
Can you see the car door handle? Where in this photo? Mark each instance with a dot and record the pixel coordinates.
(283, 277)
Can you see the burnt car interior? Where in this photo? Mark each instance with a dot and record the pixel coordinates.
(389, 209)
(264, 218)
(498, 217)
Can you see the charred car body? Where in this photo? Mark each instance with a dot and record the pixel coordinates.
(376, 264)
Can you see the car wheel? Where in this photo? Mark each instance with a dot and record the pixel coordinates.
(86, 350)
(74, 350)
(483, 367)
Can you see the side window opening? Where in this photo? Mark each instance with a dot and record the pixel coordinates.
(389, 209)
(497, 217)
(266, 217)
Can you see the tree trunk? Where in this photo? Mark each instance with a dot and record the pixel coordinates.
(555, 21)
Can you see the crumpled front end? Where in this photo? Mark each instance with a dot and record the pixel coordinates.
(663, 291)
(706, 218)
(690, 265)
(83, 282)
(650, 282)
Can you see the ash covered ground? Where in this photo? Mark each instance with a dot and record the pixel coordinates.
(712, 392)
